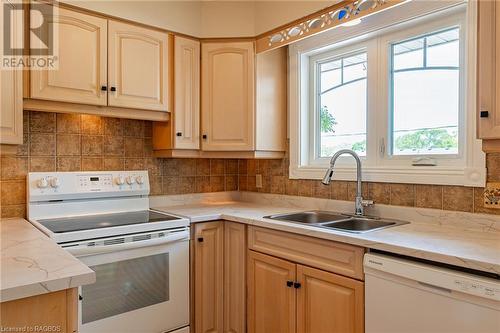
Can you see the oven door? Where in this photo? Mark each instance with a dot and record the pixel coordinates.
(141, 286)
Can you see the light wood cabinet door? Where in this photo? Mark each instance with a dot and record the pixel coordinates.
(234, 277)
(228, 96)
(187, 93)
(209, 276)
(488, 69)
(138, 67)
(11, 89)
(327, 302)
(271, 296)
(82, 60)
(58, 310)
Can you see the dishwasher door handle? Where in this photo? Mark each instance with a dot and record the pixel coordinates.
(437, 288)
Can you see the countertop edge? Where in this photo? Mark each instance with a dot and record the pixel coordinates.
(33, 264)
(40, 288)
(346, 238)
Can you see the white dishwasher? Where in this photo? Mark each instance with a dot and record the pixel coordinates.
(404, 296)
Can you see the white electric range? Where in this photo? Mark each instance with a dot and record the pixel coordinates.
(140, 256)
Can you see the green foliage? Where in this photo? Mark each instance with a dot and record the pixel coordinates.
(327, 121)
(359, 146)
(426, 139)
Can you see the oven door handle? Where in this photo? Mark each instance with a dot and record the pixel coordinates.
(83, 250)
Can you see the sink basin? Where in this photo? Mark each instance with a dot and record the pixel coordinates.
(359, 224)
(311, 217)
(338, 221)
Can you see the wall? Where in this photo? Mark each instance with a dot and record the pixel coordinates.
(227, 19)
(272, 14)
(178, 16)
(64, 142)
(206, 19)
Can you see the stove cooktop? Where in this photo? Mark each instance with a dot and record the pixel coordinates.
(93, 222)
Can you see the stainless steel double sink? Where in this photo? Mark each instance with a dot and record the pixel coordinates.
(337, 221)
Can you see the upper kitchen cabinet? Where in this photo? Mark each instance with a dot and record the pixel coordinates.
(228, 88)
(138, 67)
(271, 101)
(187, 93)
(489, 72)
(82, 60)
(243, 100)
(181, 135)
(104, 67)
(11, 107)
(11, 92)
(243, 103)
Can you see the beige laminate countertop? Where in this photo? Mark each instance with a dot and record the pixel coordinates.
(474, 249)
(33, 264)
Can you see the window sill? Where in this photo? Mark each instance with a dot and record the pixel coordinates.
(417, 175)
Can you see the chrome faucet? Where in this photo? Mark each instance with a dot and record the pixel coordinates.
(360, 203)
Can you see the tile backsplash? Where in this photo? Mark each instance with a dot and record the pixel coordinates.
(71, 142)
(455, 198)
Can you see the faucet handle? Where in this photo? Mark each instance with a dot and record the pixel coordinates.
(367, 203)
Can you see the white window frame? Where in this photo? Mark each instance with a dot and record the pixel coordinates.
(313, 142)
(408, 20)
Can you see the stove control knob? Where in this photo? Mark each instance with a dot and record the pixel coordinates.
(130, 180)
(54, 182)
(42, 183)
(139, 180)
(120, 180)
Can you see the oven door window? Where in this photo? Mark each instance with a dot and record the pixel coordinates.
(126, 285)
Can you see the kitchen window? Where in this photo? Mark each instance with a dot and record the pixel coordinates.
(425, 94)
(401, 96)
(341, 103)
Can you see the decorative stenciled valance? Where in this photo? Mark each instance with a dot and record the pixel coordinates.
(328, 18)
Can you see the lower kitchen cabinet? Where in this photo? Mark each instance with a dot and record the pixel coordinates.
(271, 294)
(52, 312)
(208, 272)
(234, 277)
(219, 274)
(328, 302)
(274, 281)
(287, 297)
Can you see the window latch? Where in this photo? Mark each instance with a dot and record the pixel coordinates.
(424, 161)
(382, 147)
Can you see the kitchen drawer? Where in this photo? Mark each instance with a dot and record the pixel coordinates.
(327, 255)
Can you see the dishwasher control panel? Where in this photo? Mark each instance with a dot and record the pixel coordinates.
(435, 277)
(477, 288)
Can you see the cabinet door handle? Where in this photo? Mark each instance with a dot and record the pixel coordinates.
(289, 283)
(113, 89)
(80, 297)
(200, 239)
(204, 136)
(178, 134)
(297, 285)
(484, 114)
(104, 88)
